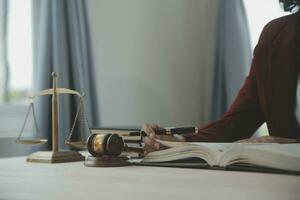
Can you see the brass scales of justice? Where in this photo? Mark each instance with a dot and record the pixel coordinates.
(56, 156)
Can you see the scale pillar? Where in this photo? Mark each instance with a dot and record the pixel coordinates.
(54, 115)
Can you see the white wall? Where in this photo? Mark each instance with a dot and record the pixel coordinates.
(153, 60)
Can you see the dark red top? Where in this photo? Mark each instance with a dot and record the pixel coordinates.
(269, 92)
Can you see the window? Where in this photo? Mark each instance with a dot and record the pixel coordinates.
(19, 53)
(259, 13)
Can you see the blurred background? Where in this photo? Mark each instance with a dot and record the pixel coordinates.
(171, 62)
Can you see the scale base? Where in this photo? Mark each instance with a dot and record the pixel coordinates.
(106, 161)
(55, 157)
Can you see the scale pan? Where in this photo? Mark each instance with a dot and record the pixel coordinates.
(77, 145)
(32, 142)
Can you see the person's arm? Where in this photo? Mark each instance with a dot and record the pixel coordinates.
(241, 120)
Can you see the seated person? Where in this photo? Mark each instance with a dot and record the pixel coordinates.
(269, 93)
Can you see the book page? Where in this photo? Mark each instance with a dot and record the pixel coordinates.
(210, 152)
(278, 156)
(220, 147)
(182, 152)
(226, 144)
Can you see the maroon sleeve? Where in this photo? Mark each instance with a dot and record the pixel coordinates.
(240, 121)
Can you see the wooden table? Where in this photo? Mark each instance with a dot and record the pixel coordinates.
(23, 180)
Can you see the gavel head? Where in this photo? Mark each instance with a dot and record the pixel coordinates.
(105, 144)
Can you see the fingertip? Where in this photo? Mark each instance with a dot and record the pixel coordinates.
(156, 146)
(151, 135)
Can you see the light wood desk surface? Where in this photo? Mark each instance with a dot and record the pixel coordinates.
(23, 180)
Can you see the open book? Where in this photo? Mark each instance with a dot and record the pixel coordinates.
(239, 156)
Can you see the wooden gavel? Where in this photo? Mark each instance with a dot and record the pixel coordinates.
(108, 145)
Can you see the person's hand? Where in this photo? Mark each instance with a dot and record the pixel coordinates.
(150, 143)
(268, 139)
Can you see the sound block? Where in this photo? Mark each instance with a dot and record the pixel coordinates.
(106, 161)
(55, 157)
